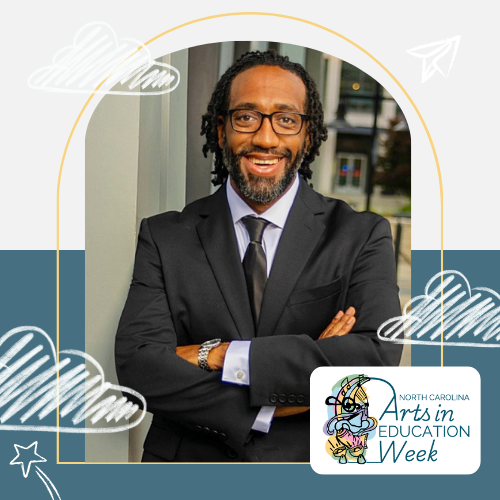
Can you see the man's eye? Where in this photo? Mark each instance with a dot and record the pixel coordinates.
(287, 120)
(245, 117)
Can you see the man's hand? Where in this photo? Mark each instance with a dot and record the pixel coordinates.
(288, 411)
(215, 357)
(341, 324)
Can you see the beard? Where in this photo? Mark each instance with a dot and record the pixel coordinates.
(261, 189)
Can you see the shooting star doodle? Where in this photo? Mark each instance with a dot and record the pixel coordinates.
(26, 452)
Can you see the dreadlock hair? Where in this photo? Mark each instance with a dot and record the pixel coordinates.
(219, 104)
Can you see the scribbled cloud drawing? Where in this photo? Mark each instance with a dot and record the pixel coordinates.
(96, 54)
(471, 317)
(437, 56)
(29, 455)
(30, 389)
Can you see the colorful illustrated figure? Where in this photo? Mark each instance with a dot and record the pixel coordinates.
(350, 426)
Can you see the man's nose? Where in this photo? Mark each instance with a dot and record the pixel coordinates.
(266, 137)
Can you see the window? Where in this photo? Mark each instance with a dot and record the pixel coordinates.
(351, 171)
(359, 85)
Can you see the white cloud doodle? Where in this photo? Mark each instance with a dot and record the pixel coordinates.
(30, 389)
(97, 54)
(437, 56)
(470, 317)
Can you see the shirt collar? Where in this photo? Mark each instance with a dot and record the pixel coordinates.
(276, 214)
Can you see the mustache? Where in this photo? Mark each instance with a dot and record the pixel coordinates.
(286, 153)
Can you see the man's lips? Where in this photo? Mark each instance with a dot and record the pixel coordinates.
(263, 165)
(264, 160)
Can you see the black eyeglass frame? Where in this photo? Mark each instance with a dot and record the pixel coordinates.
(303, 118)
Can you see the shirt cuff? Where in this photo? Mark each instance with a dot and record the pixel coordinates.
(236, 369)
(264, 418)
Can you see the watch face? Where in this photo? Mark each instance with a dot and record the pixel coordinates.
(211, 343)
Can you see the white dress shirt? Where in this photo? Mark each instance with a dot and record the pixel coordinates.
(236, 368)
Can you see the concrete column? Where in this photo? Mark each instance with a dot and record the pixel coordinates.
(204, 74)
(111, 168)
(262, 46)
(296, 53)
(324, 177)
(226, 56)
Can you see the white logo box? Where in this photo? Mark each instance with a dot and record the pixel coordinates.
(437, 429)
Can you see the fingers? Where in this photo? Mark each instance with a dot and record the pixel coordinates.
(288, 411)
(341, 324)
(335, 320)
(345, 328)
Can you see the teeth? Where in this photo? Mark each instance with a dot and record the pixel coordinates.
(259, 161)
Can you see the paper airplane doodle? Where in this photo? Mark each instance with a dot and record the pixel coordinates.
(26, 454)
(30, 389)
(437, 56)
(96, 54)
(471, 317)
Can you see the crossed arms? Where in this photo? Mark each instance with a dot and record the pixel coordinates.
(158, 361)
(341, 324)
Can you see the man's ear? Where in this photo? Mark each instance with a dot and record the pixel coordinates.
(221, 124)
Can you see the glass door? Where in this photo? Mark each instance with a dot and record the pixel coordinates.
(350, 175)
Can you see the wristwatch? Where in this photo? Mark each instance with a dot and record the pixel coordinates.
(205, 348)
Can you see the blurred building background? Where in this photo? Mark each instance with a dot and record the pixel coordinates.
(143, 156)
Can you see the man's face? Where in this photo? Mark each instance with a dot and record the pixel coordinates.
(263, 164)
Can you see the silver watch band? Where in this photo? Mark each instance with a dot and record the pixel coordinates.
(205, 348)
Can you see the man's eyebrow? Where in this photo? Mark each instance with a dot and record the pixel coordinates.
(246, 105)
(286, 107)
(278, 107)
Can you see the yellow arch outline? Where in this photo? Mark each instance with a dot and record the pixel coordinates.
(206, 19)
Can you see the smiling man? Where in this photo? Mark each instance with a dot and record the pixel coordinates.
(238, 298)
(267, 134)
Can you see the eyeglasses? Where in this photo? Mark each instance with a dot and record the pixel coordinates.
(249, 121)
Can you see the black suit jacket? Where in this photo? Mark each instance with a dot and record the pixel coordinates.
(188, 287)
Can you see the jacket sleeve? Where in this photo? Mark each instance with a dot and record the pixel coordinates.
(281, 365)
(146, 360)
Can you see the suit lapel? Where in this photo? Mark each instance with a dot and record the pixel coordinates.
(300, 236)
(217, 236)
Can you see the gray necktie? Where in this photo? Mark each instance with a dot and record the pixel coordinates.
(255, 264)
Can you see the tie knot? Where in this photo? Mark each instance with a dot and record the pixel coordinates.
(255, 227)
